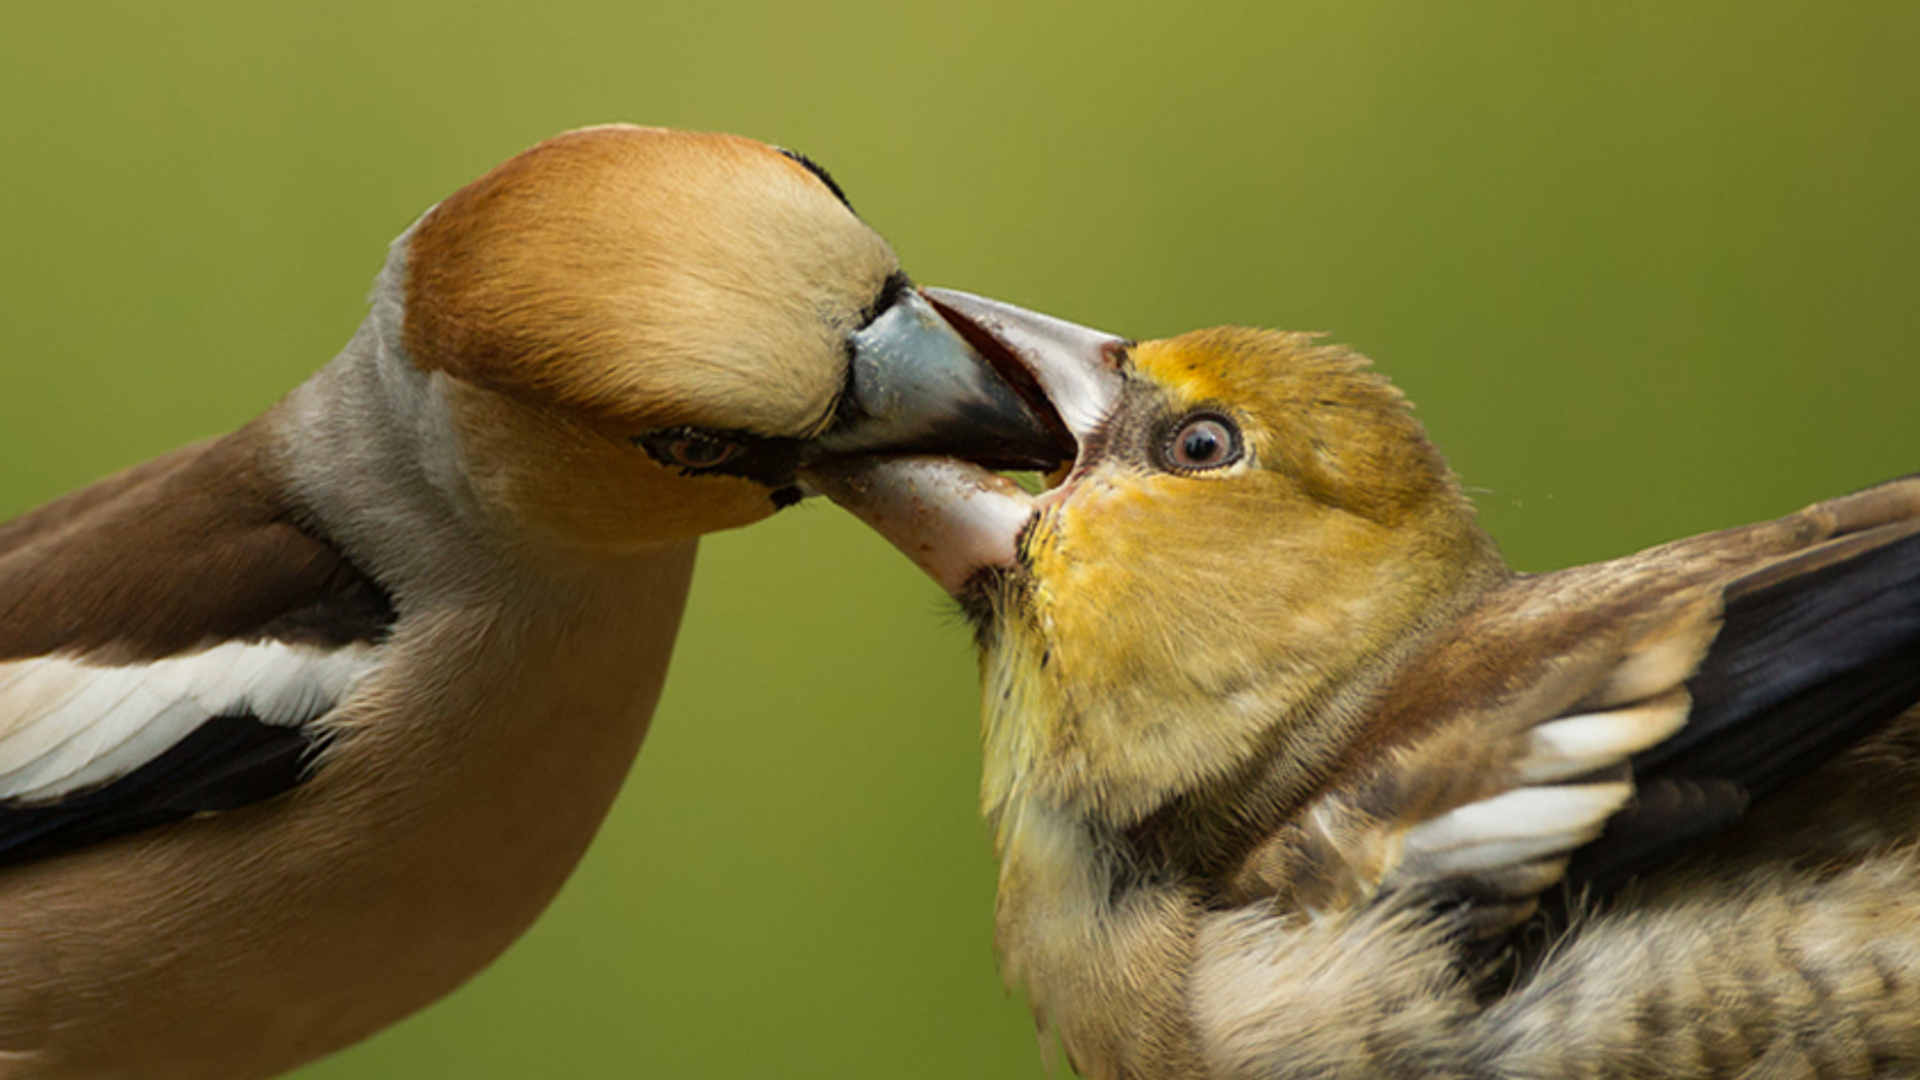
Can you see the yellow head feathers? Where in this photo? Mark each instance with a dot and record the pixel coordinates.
(1317, 413)
(1260, 520)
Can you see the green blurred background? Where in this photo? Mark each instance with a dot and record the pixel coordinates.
(1648, 268)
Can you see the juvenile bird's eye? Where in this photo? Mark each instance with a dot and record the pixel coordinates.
(1206, 441)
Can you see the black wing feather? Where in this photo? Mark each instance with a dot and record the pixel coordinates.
(1803, 667)
(227, 762)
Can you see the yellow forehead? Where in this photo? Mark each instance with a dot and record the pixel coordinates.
(1315, 414)
(1196, 367)
(646, 277)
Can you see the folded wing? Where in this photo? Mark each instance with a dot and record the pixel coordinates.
(1594, 725)
(1815, 653)
(171, 642)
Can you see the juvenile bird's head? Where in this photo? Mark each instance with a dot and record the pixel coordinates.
(1253, 524)
(640, 335)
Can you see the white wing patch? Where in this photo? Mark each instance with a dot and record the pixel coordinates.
(1545, 817)
(1572, 745)
(67, 724)
(1511, 828)
(1654, 667)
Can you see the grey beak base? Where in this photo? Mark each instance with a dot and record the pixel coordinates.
(918, 387)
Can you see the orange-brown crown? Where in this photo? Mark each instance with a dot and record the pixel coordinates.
(643, 277)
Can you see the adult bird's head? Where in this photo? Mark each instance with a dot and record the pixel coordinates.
(644, 333)
(1253, 522)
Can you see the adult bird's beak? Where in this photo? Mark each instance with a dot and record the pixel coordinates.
(944, 506)
(1076, 368)
(919, 385)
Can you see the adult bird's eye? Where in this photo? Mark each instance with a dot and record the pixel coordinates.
(702, 451)
(1202, 442)
(688, 448)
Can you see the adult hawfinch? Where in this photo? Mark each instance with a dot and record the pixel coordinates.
(301, 726)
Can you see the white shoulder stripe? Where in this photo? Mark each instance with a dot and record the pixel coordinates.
(67, 724)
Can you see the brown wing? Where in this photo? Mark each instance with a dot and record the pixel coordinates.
(168, 638)
(195, 547)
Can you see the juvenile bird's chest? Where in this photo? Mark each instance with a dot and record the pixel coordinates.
(1100, 934)
(1103, 954)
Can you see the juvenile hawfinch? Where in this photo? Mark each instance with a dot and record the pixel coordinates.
(1292, 776)
(301, 726)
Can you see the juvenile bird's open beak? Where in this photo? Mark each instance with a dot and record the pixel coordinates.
(919, 385)
(944, 506)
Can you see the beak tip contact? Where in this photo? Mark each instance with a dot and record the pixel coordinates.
(942, 505)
